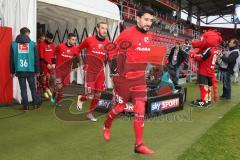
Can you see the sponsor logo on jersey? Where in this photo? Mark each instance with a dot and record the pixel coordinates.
(144, 49)
(98, 52)
(48, 50)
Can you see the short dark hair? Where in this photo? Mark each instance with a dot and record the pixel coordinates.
(49, 35)
(24, 30)
(98, 24)
(70, 35)
(144, 10)
(178, 43)
(235, 41)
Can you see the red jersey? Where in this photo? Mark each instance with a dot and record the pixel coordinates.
(132, 64)
(206, 62)
(65, 53)
(95, 49)
(94, 64)
(137, 54)
(46, 52)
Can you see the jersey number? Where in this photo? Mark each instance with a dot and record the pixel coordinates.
(23, 63)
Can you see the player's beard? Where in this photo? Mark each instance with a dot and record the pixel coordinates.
(48, 41)
(69, 44)
(101, 36)
(146, 28)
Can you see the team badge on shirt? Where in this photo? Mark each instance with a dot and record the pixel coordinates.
(146, 39)
(100, 46)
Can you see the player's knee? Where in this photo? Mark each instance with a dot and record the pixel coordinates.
(119, 107)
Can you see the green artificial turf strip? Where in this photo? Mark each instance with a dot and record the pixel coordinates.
(39, 134)
(221, 142)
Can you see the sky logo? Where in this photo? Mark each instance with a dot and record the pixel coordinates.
(156, 106)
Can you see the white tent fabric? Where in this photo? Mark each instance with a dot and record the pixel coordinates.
(58, 15)
(18, 14)
(71, 14)
(61, 16)
(102, 8)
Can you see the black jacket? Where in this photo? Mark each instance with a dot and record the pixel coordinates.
(230, 60)
(180, 57)
(24, 39)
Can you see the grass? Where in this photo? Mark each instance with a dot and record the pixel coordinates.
(221, 142)
(40, 134)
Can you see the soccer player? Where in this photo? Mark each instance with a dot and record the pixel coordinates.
(94, 67)
(129, 82)
(46, 50)
(65, 52)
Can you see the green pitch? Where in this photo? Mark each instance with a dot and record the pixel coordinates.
(193, 133)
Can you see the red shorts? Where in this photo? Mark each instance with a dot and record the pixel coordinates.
(95, 81)
(45, 70)
(129, 90)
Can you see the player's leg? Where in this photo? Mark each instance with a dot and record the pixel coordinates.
(93, 105)
(58, 92)
(80, 101)
(139, 111)
(47, 91)
(97, 87)
(112, 114)
(44, 85)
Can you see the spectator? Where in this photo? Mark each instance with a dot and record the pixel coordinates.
(236, 69)
(227, 65)
(175, 59)
(24, 63)
(186, 46)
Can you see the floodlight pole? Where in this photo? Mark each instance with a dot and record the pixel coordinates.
(180, 9)
(235, 28)
(189, 17)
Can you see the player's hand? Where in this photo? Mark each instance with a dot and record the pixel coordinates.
(192, 55)
(49, 66)
(53, 66)
(75, 69)
(12, 75)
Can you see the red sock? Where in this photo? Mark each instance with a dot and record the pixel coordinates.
(47, 82)
(209, 94)
(93, 104)
(58, 97)
(203, 93)
(139, 109)
(83, 98)
(44, 86)
(118, 108)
